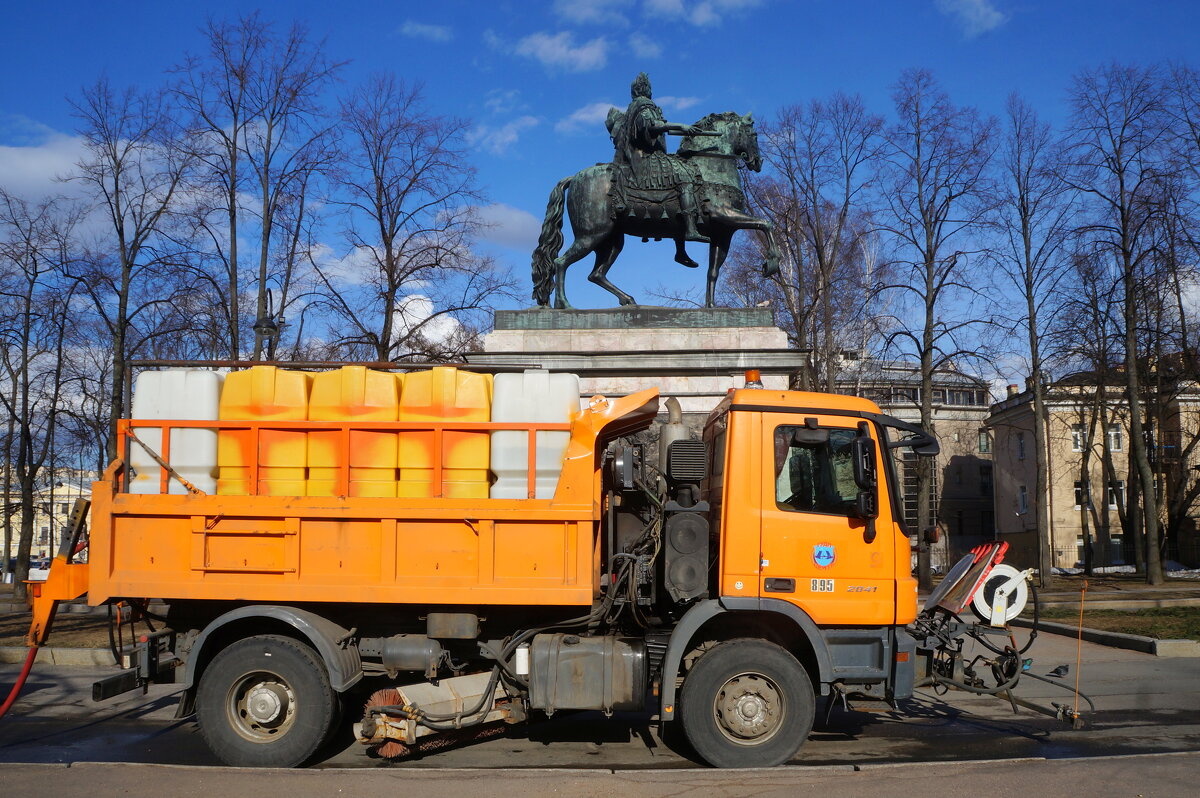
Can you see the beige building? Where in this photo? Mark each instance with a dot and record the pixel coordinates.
(963, 477)
(53, 500)
(1088, 473)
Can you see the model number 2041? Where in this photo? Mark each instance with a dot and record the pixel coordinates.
(822, 585)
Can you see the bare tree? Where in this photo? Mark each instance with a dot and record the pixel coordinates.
(1118, 158)
(1033, 210)
(133, 168)
(823, 156)
(33, 251)
(411, 277)
(254, 103)
(934, 188)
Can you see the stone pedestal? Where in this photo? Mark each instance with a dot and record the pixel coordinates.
(695, 355)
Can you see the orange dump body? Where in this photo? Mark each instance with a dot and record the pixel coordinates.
(296, 548)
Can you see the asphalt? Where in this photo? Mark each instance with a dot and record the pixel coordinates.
(1145, 704)
(1146, 776)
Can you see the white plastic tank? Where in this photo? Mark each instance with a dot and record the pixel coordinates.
(182, 394)
(535, 395)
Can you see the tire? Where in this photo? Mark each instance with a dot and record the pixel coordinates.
(747, 703)
(265, 702)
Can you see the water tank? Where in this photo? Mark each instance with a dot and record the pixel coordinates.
(535, 395)
(263, 393)
(444, 394)
(184, 394)
(353, 393)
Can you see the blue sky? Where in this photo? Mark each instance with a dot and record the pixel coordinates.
(534, 77)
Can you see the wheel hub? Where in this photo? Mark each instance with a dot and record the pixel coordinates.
(266, 703)
(748, 708)
(261, 706)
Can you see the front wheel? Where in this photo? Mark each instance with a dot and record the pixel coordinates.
(265, 702)
(747, 703)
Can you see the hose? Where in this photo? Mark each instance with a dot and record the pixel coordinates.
(16, 690)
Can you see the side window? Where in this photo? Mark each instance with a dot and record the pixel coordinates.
(814, 471)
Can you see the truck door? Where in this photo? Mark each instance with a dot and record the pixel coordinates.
(816, 552)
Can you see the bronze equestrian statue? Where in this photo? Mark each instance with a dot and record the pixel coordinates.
(694, 195)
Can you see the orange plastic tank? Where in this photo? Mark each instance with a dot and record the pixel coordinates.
(445, 394)
(263, 393)
(353, 393)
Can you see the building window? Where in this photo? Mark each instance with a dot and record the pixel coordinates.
(906, 394)
(1020, 445)
(45, 535)
(962, 397)
(939, 395)
(985, 442)
(64, 508)
(1081, 495)
(985, 480)
(1116, 494)
(1078, 437)
(987, 523)
(1022, 500)
(1115, 440)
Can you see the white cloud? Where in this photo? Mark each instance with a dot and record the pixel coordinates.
(643, 46)
(497, 139)
(414, 311)
(359, 266)
(583, 12)
(697, 12)
(509, 226)
(500, 101)
(976, 17)
(32, 170)
(589, 116)
(559, 50)
(676, 103)
(421, 30)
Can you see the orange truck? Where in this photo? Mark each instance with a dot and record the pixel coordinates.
(726, 584)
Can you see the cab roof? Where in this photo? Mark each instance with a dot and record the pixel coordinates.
(763, 398)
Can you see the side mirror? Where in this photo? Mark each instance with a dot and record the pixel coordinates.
(866, 505)
(863, 451)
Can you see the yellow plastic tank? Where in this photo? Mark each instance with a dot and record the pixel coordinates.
(263, 393)
(353, 393)
(445, 394)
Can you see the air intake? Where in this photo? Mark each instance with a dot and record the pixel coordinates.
(687, 462)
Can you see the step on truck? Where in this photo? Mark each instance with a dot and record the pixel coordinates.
(728, 584)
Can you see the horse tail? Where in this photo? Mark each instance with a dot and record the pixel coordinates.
(549, 243)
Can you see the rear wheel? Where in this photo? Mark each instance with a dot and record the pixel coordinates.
(747, 703)
(265, 702)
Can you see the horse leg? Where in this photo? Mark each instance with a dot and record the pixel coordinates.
(579, 249)
(718, 250)
(606, 255)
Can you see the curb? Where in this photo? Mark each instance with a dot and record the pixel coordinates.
(1124, 604)
(70, 609)
(1147, 645)
(58, 655)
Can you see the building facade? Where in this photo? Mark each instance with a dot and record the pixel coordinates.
(53, 500)
(1088, 473)
(963, 478)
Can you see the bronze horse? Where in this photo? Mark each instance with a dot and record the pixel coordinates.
(599, 228)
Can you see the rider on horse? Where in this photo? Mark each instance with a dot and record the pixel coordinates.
(641, 146)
